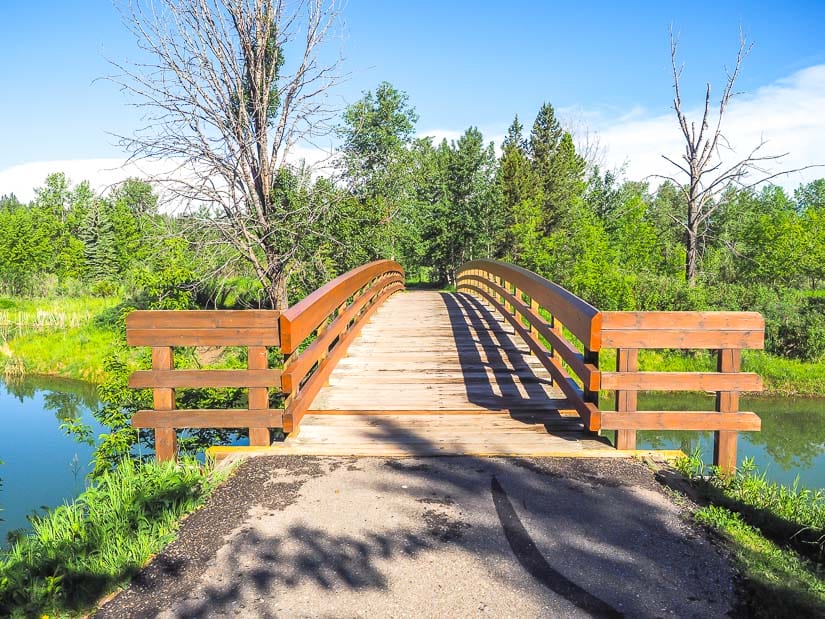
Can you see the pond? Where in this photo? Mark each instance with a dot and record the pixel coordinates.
(791, 443)
(42, 465)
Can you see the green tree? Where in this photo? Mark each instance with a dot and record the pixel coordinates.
(517, 186)
(466, 222)
(558, 168)
(377, 159)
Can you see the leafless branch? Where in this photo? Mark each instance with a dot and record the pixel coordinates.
(229, 88)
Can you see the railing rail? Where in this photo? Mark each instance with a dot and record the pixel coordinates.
(332, 315)
(335, 313)
(504, 284)
(727, 333)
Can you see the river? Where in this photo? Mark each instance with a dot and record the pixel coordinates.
(43, 466)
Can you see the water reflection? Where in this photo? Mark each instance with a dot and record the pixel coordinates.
(43, 465)
(791, 443)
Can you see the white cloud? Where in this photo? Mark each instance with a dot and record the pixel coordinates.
(103, 174)
(789, 114)
(22, 179)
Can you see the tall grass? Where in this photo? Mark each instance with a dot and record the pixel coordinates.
(776, 534)
(791, 516)
(82, 550)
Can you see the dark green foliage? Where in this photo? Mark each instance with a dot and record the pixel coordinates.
(466, 221)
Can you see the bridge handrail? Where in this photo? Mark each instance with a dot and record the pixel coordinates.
(333, 315)
(504, 284)
(727, 333)
(163, 330)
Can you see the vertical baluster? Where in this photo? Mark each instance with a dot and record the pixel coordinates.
(627, 360)
(590, 356)
(724, 443)
(258, 396)
(534, 306)
(166, 442)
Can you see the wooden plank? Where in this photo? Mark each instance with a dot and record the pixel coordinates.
(203, 319)
(682, 338)
(680, 420)
(297, 406)
(703, 321)
(144, 379)
(527, 412)
(235, 336)
(581, 318)
(681, 381)
(208, 418)
(300, 320)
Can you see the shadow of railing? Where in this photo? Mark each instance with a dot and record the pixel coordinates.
(518, 389)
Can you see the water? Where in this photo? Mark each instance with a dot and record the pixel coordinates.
(791, 443)
(42, 466)
(45, 467)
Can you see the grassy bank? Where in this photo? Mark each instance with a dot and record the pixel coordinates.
(776, 535)
(81, 551)
(55, 337)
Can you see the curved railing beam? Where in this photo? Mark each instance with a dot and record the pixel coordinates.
(726, 333)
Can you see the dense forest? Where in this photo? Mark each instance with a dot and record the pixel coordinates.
(540, 203)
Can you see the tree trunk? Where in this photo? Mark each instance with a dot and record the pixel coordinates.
(692, 254)
(276, 292)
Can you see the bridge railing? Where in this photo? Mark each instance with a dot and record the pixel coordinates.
(521, 296)
(727, 333)
(313, 335)
(333, 315)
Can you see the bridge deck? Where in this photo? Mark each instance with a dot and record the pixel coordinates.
(440, 374)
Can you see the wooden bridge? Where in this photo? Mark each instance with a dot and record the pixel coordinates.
(507, 365)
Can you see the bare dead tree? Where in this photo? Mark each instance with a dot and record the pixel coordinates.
(230, 89)
(710, 166)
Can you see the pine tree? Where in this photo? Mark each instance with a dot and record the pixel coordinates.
(517, 184)
(98, 237)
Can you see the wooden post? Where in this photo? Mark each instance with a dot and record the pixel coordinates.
(534, 334)
(627, 360)
(257, 359)
(724, 441)
(591, 356)
(166, 441)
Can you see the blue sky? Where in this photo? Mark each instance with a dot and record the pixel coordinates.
(604, 65)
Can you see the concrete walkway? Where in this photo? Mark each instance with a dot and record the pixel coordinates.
(434, 537)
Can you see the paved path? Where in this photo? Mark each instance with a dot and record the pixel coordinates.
(437, 537)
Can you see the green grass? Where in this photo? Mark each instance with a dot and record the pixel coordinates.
(776, 582)
(80, 551)
(776, 534)
(56, 337)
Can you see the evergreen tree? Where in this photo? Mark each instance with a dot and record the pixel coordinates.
(98, 238)
(517, 184)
